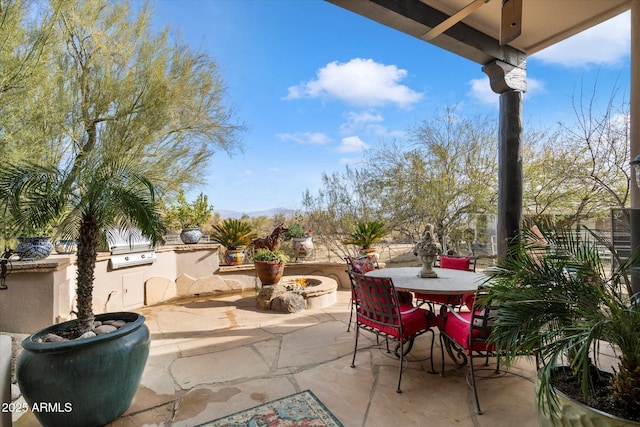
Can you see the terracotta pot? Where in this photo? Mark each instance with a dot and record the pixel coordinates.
(269, 272)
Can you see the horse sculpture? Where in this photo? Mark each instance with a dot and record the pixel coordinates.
(271, 241)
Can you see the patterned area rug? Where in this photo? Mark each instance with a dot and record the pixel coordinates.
(302, 409)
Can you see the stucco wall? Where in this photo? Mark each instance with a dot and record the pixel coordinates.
(41, 293)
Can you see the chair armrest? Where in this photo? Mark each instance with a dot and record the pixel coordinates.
(451, 309)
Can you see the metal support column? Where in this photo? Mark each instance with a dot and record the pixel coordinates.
(510, 83)
(635, 133)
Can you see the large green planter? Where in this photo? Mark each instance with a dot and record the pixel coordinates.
(572, 413)
(88, 382)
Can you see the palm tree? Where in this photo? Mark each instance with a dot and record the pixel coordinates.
(557, 298)
(94, 194)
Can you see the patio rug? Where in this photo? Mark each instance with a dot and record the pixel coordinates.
(302, 409)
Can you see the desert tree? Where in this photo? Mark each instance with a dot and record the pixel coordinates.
(581, 170)
(26, 35)
(345, 198)
(445, 176)
(115, 84)
(121, 115)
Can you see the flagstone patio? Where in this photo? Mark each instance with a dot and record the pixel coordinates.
(212, 356)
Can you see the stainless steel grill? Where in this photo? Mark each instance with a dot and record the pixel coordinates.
(129, 248)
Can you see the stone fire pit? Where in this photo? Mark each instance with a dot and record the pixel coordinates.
(296, 293)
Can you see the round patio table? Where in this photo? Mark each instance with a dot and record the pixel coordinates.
(449, 282)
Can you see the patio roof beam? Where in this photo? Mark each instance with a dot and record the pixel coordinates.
(453, 19)
(416, 18)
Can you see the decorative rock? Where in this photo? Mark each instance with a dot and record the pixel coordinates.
(207, 285)
(297, 293)
(53, 338)
(115, 323)
(183, 285)
(88, 334)
(105, 329)
(278, 298)
(158, 289)
(288, 303)
(267, 293)
(15, 392)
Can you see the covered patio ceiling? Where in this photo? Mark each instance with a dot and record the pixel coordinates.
(472, 28)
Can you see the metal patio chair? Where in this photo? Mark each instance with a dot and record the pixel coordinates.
(379, 310)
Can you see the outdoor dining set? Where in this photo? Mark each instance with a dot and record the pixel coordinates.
(399, 305)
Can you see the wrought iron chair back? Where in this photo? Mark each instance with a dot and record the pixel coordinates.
(380, 311)
(359, 265)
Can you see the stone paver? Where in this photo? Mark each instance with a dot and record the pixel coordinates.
(212, 356)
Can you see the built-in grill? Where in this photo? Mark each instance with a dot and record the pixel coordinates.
(129, 248)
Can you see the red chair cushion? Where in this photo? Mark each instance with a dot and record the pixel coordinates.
(414, 320)
(455, 263)
(468, 300)
(459, 331)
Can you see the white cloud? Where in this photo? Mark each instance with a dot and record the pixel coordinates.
(246, 172)
(274, 170)
(356, 121)
(361, 82)
(534, 87)
(305, 138)
(352, 144)
(481, 90)
(605, 44)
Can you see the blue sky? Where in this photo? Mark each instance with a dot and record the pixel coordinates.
(317, 85)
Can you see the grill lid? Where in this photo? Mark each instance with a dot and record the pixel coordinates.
(127, 241)
(129, 248)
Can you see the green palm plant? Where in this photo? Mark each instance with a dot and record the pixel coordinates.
(367, 233)
(557, 298)
(233, 233)
(95, 194)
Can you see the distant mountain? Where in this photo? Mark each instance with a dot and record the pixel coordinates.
(268, 213)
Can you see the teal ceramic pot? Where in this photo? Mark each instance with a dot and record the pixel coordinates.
(191, 236)
(33, 248)
(87, 382)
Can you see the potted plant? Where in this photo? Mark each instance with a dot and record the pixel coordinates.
(188, 217)
(34, 243)
(559, 300)
(301, 238)
(270, 265)
(234, 235)
(365, 234)
(92, 380)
